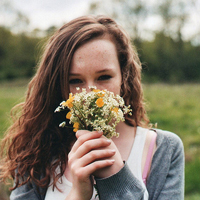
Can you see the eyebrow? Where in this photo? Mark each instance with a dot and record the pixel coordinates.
(98, 72)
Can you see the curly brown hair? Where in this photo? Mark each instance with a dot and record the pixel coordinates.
(35, 144)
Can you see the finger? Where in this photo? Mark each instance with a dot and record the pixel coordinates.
(94, 156)
(85, 137)
(85, 172)
(90, 145)
(100, 164)
(79, 133)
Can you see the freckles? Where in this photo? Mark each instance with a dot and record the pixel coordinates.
(79, 58)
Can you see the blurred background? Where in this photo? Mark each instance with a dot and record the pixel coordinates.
(166, 34)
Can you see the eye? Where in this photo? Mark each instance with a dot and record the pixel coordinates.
(75, 81)
(104, 77)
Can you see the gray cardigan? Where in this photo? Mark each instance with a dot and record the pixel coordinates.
(165, 181)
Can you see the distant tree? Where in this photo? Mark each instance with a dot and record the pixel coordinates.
(143, 19)
(130, 14)
(175, 15)
(18, 54)
(6, 47)
(163, 60)
(50, 30)
(14, 19)
(20, 23)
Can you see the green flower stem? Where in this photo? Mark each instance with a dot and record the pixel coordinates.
(82, 115)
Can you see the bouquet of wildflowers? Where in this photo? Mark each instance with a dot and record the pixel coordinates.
(97, 110)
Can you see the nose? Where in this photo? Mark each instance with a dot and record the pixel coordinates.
(89, 84)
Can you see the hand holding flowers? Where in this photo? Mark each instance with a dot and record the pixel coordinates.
(98, 111)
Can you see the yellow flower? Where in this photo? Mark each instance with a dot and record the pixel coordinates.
(99, 102)
(64, 103)
(115, 109)
(101, 94)
(76, 126)
(96, 90)
(69, 101)
(68, 116)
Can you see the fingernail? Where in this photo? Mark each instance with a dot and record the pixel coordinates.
(100, 132)
(108, 141)
(112, 161)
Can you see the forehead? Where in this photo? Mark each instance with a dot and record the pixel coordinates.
(96, 52)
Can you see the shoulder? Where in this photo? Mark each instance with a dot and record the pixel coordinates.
(169, 150)
(168, 140)
(28, 191)
(167, 167)
(165, 140)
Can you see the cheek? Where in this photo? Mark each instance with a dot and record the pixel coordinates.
(118, 85)
(72, 89)
(115, 87)
(118, 89)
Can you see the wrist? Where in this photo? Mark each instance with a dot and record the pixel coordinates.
(72, 196)
(109, 171)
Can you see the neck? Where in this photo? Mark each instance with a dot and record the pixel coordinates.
(125, 140)
(125, 131)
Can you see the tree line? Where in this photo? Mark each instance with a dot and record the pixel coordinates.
(18, 54)
(168, 60)
(163, 59)
(157, 30)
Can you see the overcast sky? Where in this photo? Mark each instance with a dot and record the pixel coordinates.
(44, 13)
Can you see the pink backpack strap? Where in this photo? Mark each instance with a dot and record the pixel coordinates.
(148, 159)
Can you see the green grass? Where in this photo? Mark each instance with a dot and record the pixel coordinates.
(11, 94)
(195, 196)
(174, 107)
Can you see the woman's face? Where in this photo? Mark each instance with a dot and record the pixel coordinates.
(95, 63)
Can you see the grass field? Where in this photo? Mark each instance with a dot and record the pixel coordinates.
(10, 95)
(176, 108)
(173, 107)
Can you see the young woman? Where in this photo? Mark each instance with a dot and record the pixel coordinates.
(48, 162)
